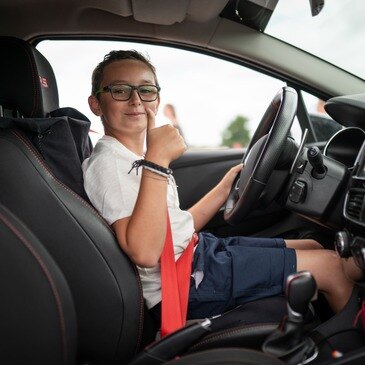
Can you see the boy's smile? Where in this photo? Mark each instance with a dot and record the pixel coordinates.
(135, 114)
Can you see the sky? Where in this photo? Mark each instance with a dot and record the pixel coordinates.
(209, 93)
(337, 34)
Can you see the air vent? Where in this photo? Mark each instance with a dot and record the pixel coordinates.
(354, 204)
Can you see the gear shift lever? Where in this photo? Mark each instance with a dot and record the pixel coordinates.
(300, 290)
(287, 342)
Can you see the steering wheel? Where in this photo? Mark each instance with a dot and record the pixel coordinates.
(262, 155)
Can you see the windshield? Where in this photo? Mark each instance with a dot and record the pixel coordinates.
(336, 34)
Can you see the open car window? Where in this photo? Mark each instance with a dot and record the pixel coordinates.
(212, 97)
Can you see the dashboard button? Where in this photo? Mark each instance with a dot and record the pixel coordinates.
(298, 191)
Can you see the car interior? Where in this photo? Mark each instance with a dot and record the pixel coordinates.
(69, 295)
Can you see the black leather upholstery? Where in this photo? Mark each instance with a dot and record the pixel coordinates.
(33, 82)
(104, 284)
(37, 315)
(62, 142)
(231, 356)
(247, 325)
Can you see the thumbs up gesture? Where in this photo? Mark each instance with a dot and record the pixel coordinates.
(164, 144)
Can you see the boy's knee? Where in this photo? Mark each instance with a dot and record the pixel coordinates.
(315, 245)
(332, 257)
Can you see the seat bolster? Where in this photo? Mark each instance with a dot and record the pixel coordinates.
(227, 356)
(244, 336)
(37, 314)
(104, 283)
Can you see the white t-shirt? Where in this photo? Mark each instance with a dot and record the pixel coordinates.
(113, 192)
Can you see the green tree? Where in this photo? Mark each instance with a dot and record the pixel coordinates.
(236, 134)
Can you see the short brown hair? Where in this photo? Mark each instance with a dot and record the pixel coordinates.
(114, 56)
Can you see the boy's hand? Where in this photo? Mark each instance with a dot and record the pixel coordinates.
(164, 144)
(225, 184)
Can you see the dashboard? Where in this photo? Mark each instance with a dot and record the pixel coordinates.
(351, 241)
(329, 187)
(348, 146)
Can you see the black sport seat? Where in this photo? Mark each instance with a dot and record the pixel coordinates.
(104, 284)
(37, 315)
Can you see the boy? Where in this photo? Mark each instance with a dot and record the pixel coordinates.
(125, 95)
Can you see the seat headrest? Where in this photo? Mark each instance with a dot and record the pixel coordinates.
(27, 82)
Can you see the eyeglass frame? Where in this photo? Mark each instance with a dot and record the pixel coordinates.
(109, 88)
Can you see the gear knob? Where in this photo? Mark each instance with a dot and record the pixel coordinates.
(300, 290)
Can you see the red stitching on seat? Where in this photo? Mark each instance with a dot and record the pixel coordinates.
(49, 278)
(232, 331)
(35, 154)
(30, 148)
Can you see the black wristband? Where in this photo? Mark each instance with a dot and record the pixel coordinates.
(151, 165)
(154, 166)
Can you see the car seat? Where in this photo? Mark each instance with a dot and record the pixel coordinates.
(104, 284)
(37, 315)
(113, 325)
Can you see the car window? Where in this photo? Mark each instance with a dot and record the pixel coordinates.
(212, 99)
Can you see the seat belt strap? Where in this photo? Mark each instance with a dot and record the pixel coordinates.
(175, 283)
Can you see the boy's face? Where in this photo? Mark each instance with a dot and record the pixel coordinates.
(124, 117)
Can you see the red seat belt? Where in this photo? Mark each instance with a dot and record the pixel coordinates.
(175, 283)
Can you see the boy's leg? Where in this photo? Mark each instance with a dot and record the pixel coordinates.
(304, 244)
(237, 270)
(326, 267)
(352, 271)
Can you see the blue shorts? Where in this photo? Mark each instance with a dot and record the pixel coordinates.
(237, 270)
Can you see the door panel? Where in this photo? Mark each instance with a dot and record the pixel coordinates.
(197, 172)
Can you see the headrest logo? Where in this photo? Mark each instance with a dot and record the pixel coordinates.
(43, 81)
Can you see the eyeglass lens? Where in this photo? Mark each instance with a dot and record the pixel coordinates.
(123, 92)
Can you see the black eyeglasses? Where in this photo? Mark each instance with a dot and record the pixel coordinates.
(123, 92)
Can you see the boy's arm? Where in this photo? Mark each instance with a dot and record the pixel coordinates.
(208, 206)
(142, 235)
